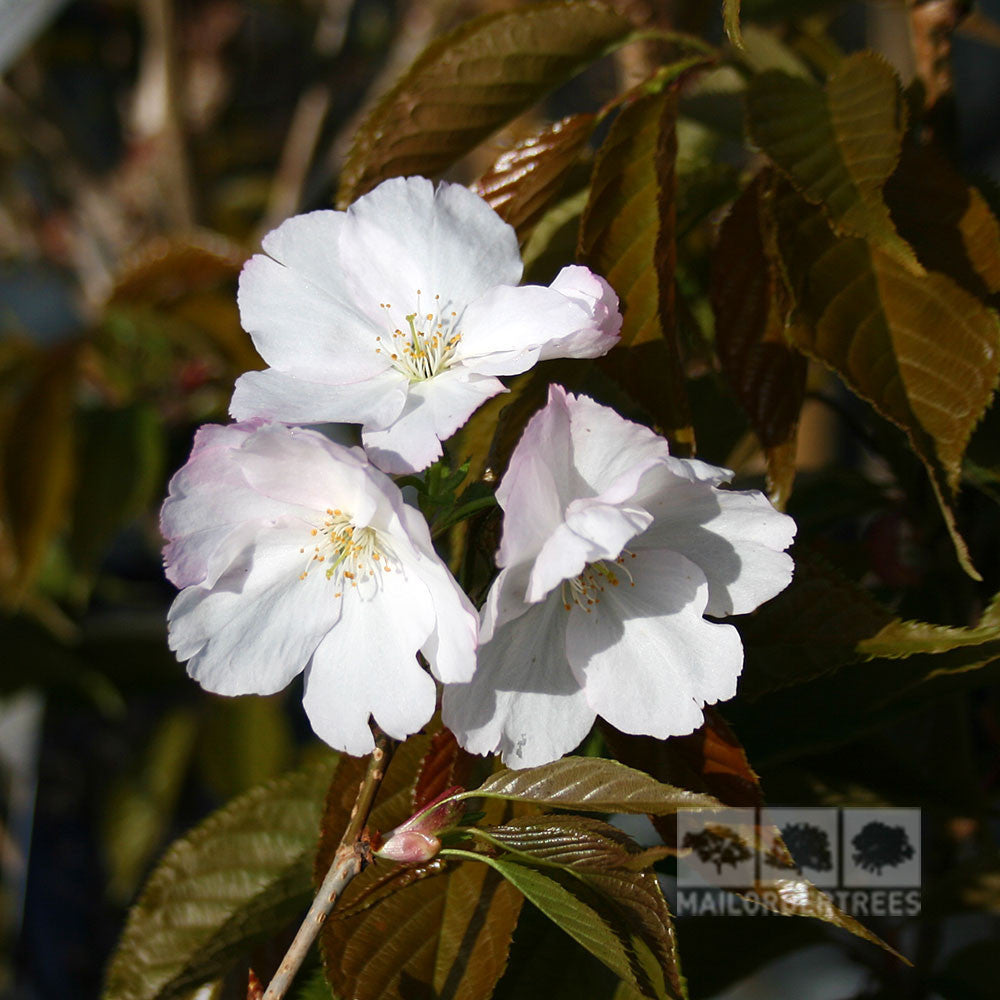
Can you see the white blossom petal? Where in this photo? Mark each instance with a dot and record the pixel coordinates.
(598, 298)
(367, 665)
(524, 701)
(406, 234)
(275, 395)
(302, 330)
(257, 627)
(505, 331)
(434, 410)
(737, 538)
(653, 634)
(593, 530)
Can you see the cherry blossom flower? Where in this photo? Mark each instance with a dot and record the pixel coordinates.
(400, 313)
(612, 553)
(295, 553)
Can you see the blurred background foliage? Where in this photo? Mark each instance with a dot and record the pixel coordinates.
(144, 148)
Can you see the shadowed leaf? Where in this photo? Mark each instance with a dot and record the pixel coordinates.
(445, 765)
(812, 628)
(884, 339)
(438, 930)
(767, 376)
(38, 462)
(947, 222)
(526, 180)
(242, 874)
(838, 144)
(466, 85)
(628, 234)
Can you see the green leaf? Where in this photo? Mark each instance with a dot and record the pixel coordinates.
(767, 376)
(900, 639)
(239, 876)
(628, 234)
(837, 144)
(451, 924)
(466, 85)
(593, 784)
(140, 806)
(884, 339)
(38, 460)
(731, 22)
(524, 182)
(245, 742)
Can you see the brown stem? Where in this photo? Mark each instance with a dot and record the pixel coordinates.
(932, 24)
(349, 860)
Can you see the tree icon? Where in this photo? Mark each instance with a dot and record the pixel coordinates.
(718, 845)
(808, 845)
(879, 846)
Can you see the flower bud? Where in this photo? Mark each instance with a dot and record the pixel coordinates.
(409, 847)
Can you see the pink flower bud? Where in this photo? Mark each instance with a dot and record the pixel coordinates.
(409, 847)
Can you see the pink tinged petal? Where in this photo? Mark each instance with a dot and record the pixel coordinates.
(598, 298)
(407, 234)
(611, 454)
(646, 657)
(736, 538)
(211, 511)
(434, 410)
(302, 329)
(539, 483)
(256, 629)
(367, 666)
(409, 847)
(505, 331)
(301, 467)
(524, 700)
(275, 395)
(593, 531)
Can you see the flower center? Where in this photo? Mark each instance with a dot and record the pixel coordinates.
(424, 344)
(584, 591)
(347, 554)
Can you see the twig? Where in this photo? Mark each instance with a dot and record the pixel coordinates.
(161, 64)
(349, 860)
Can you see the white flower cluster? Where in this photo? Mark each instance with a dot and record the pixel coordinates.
(297, 554)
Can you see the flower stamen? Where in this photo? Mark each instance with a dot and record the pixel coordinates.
(428, 344)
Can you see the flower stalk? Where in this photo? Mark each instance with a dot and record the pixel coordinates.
(350, 859)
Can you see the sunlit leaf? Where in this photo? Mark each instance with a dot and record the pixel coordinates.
(710, 760)
(438, 929)
(593, 784)
(838, 144)
(767, 375)
(466, 85)
(731, 21)
(524, 181)
(242, 874)
(884, 339)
